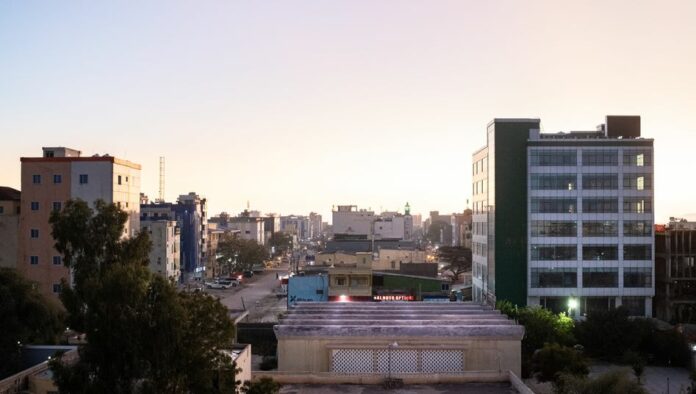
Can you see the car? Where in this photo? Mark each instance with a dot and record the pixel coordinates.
(248, 274)
(221, 284)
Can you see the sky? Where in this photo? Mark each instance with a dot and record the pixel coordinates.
(296, 106)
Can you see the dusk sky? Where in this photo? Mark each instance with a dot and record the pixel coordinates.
(300, 105)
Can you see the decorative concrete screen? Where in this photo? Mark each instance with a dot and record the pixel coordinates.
(360, 338)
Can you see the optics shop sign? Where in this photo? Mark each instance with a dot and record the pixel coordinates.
(394, 297)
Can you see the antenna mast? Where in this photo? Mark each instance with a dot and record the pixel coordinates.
(161, 179)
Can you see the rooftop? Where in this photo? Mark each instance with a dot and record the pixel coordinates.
(359, 319)
(9, 194)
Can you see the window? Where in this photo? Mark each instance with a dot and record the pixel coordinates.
(637, 277)
(36, 179)
(2, 209)
(554, 157)
(554, 182)
(340, 281)
(57, 260)
(34, 205)
(554, 252)
(554, 205)
(57, 205)
(600, 205)
(119, 179)
(57, 288)
(600, 252)
(84, 179)
(639, 228)
(637, 181)
(57, 178)
(637, 205)
(34, 233)
(358, 281)
(33, 260)
(550, 228)
(320, 291)
(600, 277)
(603, 157)
(600, 181)
(393, 265)
(637, 158)
(637, 252)
(603, 228)
(554, 277)
(444, 286)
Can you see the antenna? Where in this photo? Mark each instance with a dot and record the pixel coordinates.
(161, 179)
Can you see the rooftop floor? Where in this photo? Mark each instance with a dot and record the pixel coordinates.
(468, 388)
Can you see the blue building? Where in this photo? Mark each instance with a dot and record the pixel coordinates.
(308, 288)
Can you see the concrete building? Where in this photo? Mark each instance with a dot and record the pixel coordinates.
(191, 214)
(315, 225)
(296, 225)
(675, 272)
(48, 182)
(349, 222)
(461, 229)
(271, 225)
(439, 228)
(250, 228)
(10, 200)
(563, 216)
(392, 259)
(166, 240)
(410, 340)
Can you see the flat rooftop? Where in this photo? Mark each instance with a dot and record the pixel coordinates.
(464, 388)
(394, 319)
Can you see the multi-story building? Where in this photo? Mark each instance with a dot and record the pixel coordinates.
(675, 272)
(10, 200)
(349, 222)
(164, 254)
(271, 224)
(315, 225)
(461, 229)
(564, 219)
(295, 225)
(191, 214)
(48, 182)
(250, 228)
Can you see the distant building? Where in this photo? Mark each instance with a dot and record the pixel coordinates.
(10, 200)
(191, 214)
(348, 221)
(461, 229)
(48, 182)
(271, 225)
(296, 225)
(675, 272)
(164, 254)
(315, 225)
(392, 259)
(439, 228)
(564, 217)
(250, 228)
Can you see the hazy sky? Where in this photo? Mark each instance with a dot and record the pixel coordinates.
(299, 105)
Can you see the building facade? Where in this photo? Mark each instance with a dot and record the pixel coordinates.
(250, 228)
(675, 272)
(10, 200)
(164, 254)
(564, 217)
(48, 182)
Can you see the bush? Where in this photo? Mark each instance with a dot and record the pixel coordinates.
(542, 326)
(507, 308)
(609, 383)
(635, 361)
(554, 359)
(268, 363)
(263, 386)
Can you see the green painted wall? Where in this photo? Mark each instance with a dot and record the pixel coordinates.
(511, 210)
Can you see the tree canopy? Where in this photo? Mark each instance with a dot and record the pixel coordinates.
(25, 318)
(281, 241)
(143, 336)
(458, 260)
(237, 254)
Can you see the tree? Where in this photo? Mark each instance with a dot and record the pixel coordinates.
(553, 359)
(635, 361)
(263, 386)
(142, 335)
(25, 318)
(437, 231)
(458, 260)
(239, 254)
(281, 241)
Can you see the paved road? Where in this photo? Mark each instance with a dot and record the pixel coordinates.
(252, 291)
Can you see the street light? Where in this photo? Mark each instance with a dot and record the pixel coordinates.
(572, 304)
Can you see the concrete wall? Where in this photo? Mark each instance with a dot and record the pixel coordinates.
(387, 256)
(308, 288)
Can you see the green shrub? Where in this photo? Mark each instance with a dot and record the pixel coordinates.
(263, 386)
(554, 359)
(608, 383)
(268, 363)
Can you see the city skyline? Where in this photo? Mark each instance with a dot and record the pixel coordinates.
(371, 104)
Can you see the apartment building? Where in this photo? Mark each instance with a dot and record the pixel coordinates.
(10, 200)
(59, 175)
(164, 255)
(675, 272)
(564, 220)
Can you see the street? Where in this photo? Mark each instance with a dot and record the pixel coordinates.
(252, 291)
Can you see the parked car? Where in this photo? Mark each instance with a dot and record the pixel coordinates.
(248, 274)
(237, 275)
(222, 284)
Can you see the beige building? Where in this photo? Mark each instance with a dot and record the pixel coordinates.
(164, 255)
(350, 275)
(48, 182)
(455, 341)
(9, 226)
(391, 259)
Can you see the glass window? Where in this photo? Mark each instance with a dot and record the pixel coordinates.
(600, 181)
(637, 181)
(637, 252)
(34, 233)
(602, 228)
(600, 277)
(550, 228)
(57, 260)
(637, 158)
(34, 205)
(57, 178)
(57, 288)
(554, 205)
(600, 205)
(637, 277)
(602, 157)
(36, 179)
(554, 182)
(358, 281)
(600, 252)
(637, 205)
(639, 228)
(554, 252)
(340, 281)
(34, 260)
(57, 205)
(554, 277)
(539, 157)
(84, 179)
